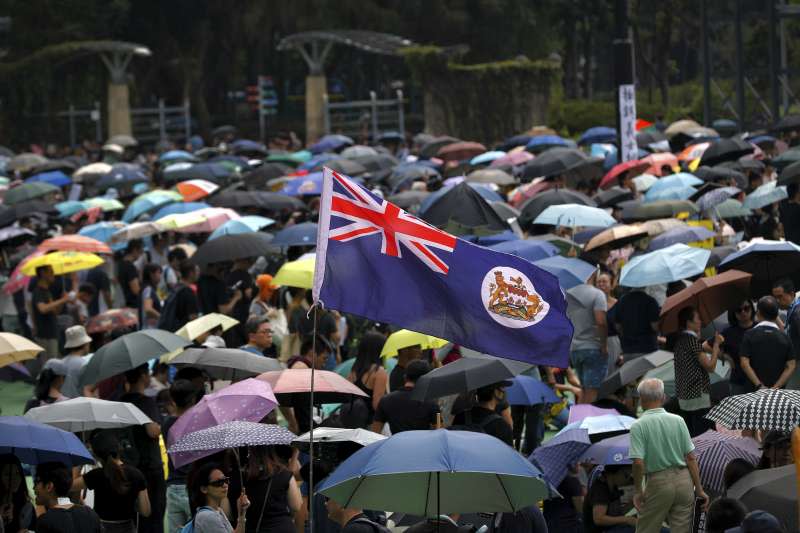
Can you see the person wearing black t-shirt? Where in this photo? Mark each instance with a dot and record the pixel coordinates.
(602, 508)
(184, 394)
(146, 439)
(45, 312)
(790, 213)
(128, 274)
(98, 278)
(564, 513)
(400, 411)
(766, 353)
(52, 484)
(636, 320)
(351, 520)
(239, 277)
(214, 295)
(484, 416)
(404, 357)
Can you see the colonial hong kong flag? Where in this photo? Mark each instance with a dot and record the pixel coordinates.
(377, 261)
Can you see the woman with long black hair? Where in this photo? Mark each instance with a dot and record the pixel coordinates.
(120, 490)
(272, 488)
(368, 373)
(16, 509)
(48, 385)
(208, 488)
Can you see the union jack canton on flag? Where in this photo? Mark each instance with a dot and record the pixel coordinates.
(379, 262)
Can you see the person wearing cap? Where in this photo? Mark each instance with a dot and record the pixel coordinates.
(484, 416)
(78, 344)
(400, 411)
(758, 522)
(662, 452)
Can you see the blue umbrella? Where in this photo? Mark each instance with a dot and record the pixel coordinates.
(304, 234)
(715, 197)
(55, 177)
(102, 231)
(769, 193)
(34, 443)
(309, 185)
(486, 157)
(680, 235)
(138, 207)
(529, 249)
(666, 265)
(428, 473)
(330, 143)
(681, 179)
(543, 142)
(610, 451)
(179, 208)
(602, 150)
(527, 390)
(569, 270)
(598, 134)
(491, 240)
(122, 174)
(318, 160)
(248, 224)
(513, 142)
(573, 215)
(176, 155)
(70, 207)
(481, 188)
(680, 192)
(246, 145)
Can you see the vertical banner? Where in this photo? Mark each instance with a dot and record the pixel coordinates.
(627, 122)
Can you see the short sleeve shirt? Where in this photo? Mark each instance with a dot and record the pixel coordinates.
(126, 273)
(149, 449)
(768, 349)
(661, 440)
(110, 504)
(99, 279)
(404, 414)
(582, 301)
(45, 323)
(212, 293)
(637, 311)
(186, 305)
(691, 379)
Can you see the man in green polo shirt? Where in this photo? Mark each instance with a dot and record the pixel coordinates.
(663, 452)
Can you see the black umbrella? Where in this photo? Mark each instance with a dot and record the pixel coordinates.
(611, 197)
(464, 375)
(463, 211)
(432, 148)
(646, 138)
(743, 164)
(224, 130)
(767, 262)
(403, 176)
(504, 210)
(63, 165)
(635, 210)
(377, 162)
(729, 149)
(269, 201)
(209, 171)
(11, 213)
(720, 172)
(233, 247)
(408, 199)
(633, 370)
(788, 123)
(263, 173)
(790, 174)
(719, 253)
(556, 161)
(346, 166)
(534, 207)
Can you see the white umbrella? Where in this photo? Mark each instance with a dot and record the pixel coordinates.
(226, 363)
(86, 414)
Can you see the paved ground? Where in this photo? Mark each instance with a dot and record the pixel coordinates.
(13, 397)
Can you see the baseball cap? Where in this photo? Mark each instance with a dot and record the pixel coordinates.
(758, 522)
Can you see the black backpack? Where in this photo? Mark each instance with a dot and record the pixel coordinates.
(355, 414)
(167, 320)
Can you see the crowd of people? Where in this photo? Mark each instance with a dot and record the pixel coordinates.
(153, 282)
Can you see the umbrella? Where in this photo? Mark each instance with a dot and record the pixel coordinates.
(661, 163)
(680, 235)
(570, 162)
(719, 379)
(666, 265)
(714, 450)
(573, 215)
(790, 174)
(643, 182)
(327, 441)
(136, 230)
(711, 296)
(534, 207)
(715, 197)
(309, 185)
(74, 243)
(122, 140)
(55, 177)
(122, 175)
(351, 167)
(459, 151)
(491, 175)
(540, 143)
(767, 194)
(62, 262)
(179, 208)
(193, 329)
(615, 237)
(764, 410)
(773, 490)
(672, 193)
(193, 190)
(512, 159)
(486, 157)
(10, 213)
(330, 143)
(767, 261)
(632, 370)
(675, 181)
(105, 204)
(329, 387)
(594, 418)
(15, 348)
(268, 201)
(25, 162)
(505, 210)
(358, 150)
(610, 451)
(299, 273)
(529, 249)
(464, 375)
(91, 172)
(141, 205)
(86, 414)
(719, 253)
(648, 138)
(569, 270)
(732, 209)
(428, 473)
(233, 434)
(409, 199)
(304, 234)
(659, 209)
(175, 156)
(69, 208)
(721, 173)
(34, 443)
(482, 189)
(527, 390)
(661, 225)
(404, 338)
(246, 145)
(432, 148)
(247, 224)
(232, 247)
(636, 166)
(226, 363)
(598, 134)
(12, 235)
(728, 149)
(28, 191)
(113, 320)
(612, 196)
(128, 352)
(204, 220)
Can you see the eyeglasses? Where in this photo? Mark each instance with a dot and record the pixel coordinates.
(221, 482)
(265, 331)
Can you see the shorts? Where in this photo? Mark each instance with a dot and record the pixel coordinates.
(591, 367)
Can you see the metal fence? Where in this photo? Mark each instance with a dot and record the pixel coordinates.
(80, 122)
(153, 124)
(365, 118)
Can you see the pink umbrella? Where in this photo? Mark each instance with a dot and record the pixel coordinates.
(213, 217)
(582, 410)
(658, 161)
(329, 387)
(514, 159)
(17, 280)
(249, 400)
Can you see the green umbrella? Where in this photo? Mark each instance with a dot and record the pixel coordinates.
(29, 191)
(128, 352)
(731, 208)
(344, 368)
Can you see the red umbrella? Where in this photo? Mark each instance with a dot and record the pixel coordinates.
(637, 165)
(74, 243)
(113, 319)
(711, 296)
(329, 387)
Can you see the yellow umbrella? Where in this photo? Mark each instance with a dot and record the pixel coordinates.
(204, 324)
(15, 348)
(63, 262)
(179, 220)
(405, 338)
(298, 273)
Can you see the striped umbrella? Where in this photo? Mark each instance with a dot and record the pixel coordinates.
(714, 450)
(765, 409)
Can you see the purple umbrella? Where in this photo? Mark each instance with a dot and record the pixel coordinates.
(715, 197)
(611, 451)
(249, 400)
(554, 456)
(680, 235)
(580, 411)
(714, 450)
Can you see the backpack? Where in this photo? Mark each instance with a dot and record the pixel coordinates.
(478, 427)
(189, 527)
(354, 414)
(167, 320)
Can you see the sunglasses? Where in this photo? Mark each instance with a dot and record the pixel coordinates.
(221, 482)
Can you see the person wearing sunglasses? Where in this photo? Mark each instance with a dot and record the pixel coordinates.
(209, 488)
(741, 318)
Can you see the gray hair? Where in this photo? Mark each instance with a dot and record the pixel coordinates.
(651, 390)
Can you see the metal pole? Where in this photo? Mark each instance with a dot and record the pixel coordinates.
(773, 67)
(162, 127)
(98, 125)
(740, 104)
(401, 114)
(326, 113)
(706, 64)
(72, 134)
(187, 118)
(373, 102)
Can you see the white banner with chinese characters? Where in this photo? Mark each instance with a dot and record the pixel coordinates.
(627, 122)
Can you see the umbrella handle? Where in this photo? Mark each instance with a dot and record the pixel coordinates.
(796, 457)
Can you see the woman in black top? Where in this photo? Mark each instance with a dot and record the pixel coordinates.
(151, 303)
(120, 490)
(740, 319)
(16, 509)
(368, 373)
(272, 490)
(48, 386)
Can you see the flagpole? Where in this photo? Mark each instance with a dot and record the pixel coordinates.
(311, 426)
